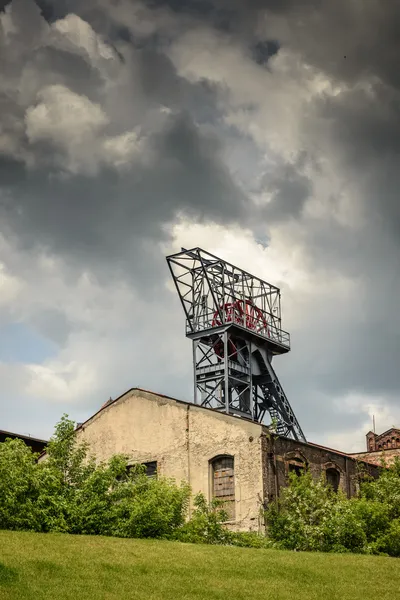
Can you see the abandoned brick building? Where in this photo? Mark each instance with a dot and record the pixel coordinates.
(385, 446)
(220, 455)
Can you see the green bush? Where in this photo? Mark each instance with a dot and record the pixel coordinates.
(310, 516)
(68, 492)
(343, 530)
(151, 508)
(374, 516)
(385, 490)
(19, 486)
(389, 542)
(205, 525)
(299, 519)
(250, 539)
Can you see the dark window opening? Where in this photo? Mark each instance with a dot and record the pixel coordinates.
(151, 468)
(296, 469)
(223, 483)
(333, 478)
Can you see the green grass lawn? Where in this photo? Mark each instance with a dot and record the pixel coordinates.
(50, 566)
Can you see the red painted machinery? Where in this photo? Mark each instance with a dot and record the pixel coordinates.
(240, 312)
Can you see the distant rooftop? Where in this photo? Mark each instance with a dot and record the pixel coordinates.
(36, 444)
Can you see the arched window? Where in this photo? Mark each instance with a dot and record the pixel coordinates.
(333, 478)
(223, 483)
(297, 468)
(295, 463)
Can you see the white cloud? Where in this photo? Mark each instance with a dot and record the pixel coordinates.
(68, 121)
(75, 127)
(366, 408)
(122, 150)
(269, 103)
(82, 38)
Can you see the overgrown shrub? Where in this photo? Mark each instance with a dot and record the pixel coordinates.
(250, 539)
(19, 486)
(205, 525)
(310, 516)
(298, 520)
(389, 542)
(68, 492)
(385, 490)
(343, 530)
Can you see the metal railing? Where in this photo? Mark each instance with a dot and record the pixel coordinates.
(260, 326)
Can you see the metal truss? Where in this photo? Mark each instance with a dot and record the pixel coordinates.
(234, 321)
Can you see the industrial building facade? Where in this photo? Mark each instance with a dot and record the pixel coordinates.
(382, 448)
(220, 455)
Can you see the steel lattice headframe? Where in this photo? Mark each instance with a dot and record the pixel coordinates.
(234, 321)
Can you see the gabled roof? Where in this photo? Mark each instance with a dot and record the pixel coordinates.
(388, 431)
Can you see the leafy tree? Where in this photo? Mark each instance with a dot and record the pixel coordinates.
(19, 486)
(389, 542)
(385, 489)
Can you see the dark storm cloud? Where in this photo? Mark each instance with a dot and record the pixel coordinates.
(107, 218)
(98, 220)
(353, 344)
(110, 221)
(346, 39)
(289, 189)
(264, 49)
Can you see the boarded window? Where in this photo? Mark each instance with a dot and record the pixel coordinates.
(223, 483)
(333, 478)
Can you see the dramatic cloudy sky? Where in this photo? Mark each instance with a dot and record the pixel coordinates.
(267, 132)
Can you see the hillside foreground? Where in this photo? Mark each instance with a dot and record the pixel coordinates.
(50, 566)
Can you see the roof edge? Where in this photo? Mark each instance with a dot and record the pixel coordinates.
(23, 437)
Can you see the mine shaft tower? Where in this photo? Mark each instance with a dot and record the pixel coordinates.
(234, 321)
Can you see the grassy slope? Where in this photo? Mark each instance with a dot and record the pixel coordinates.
(41, 567)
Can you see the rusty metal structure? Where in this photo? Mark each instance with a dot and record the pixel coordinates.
(234, 321)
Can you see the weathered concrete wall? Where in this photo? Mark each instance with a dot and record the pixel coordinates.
(145, 428)
(182, 438)
(213, 434)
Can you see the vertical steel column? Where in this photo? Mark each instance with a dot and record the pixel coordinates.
(226, 369)
(195, 342)
(251, 381)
